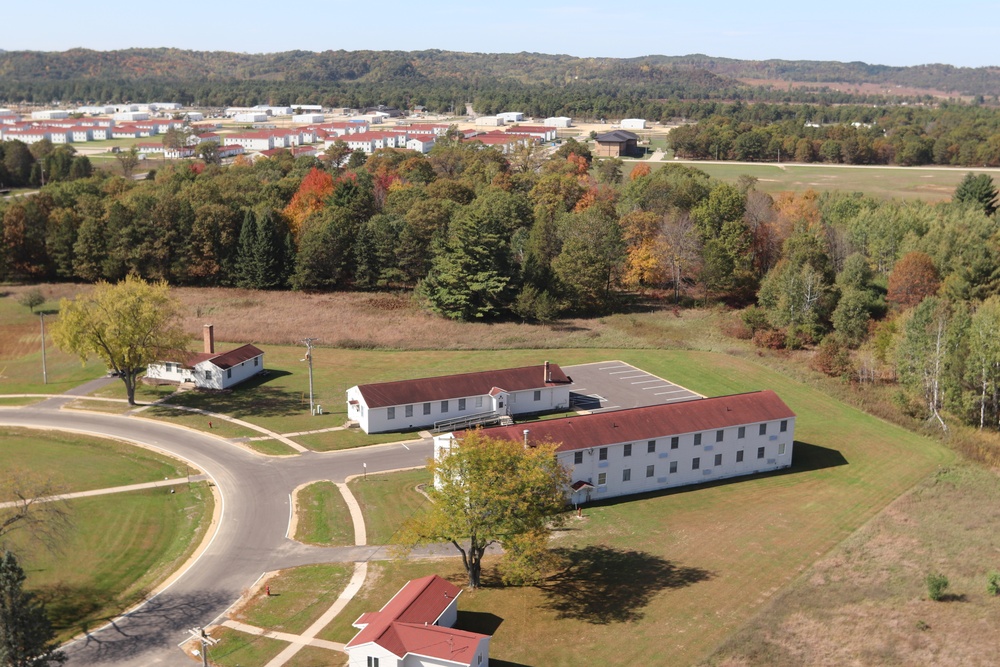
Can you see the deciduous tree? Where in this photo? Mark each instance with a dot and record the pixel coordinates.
(26, 635)
(128, 326)
(492, 491)
(913, 279)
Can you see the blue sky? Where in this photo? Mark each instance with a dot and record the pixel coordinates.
(961, 32)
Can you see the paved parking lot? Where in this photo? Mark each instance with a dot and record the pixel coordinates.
(615, 385)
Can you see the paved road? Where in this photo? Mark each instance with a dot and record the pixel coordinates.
(250, 538)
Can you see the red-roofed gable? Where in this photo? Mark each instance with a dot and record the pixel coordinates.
(407, 624)
(456, 386)
(237, 356)
(605, 428)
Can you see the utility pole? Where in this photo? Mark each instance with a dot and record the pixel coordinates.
(202, 636)
(45, 375)
(309, 357)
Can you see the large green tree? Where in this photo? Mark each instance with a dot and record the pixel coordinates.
(977, 190)
(493, 491)
(128, 326)
(26, 635)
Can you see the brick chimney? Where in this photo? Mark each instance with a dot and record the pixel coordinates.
(548, 373)
(209, 333)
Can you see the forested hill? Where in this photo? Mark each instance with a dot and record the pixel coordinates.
(652, 87)
(946, 78)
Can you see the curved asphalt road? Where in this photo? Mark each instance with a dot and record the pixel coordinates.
(250, 538)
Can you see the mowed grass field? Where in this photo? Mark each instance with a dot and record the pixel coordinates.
(80, 463)
(889, 183)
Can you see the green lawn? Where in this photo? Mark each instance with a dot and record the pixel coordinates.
(118, 548)
(323, 517)
(348, 439)
(298, 597)
(388, 500)
(239, 649)
(80, 463)
(312, 656)
(18, 401)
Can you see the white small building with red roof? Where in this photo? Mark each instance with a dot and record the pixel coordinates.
(210, 369)
(416, 629)
(486, 395)
(621, 452)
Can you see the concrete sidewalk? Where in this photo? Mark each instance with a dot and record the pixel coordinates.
(114, 489)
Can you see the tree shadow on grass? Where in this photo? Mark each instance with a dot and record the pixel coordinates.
(603, 585)
(254, 397)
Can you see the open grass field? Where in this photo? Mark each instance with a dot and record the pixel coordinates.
(311, 656)
(81, 463)
(118, 549)
(323, 517)
(889, 183)
(875, 580)
(298, 597)
(388, 500)
(238, 649)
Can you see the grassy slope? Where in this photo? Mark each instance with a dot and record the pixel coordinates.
(121, 547)
(80, 463)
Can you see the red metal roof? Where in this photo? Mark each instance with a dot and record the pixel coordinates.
(237, 356)
(406, 623)
(636, 424)
(457, 386)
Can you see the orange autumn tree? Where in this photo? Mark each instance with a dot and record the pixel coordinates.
(310, 198)
(643, 265)
(641, 169)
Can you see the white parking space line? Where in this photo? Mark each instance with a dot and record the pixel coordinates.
(681, 398)
(610, 407)
(675, 391)
(659, 386)
(632, 377)
(608, 368)
(646, 381)
(597, 396)
(631, 370)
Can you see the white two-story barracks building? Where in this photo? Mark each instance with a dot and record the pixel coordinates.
(645, 449)
(420, 403)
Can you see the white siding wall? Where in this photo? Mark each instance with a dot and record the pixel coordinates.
(237, 373)
(377, 420)
(358, 657)
(684, 455)
(175, 374)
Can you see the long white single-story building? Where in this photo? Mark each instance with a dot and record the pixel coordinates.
(421, 403)
(651, 448)
(209, 369)
(415, 629)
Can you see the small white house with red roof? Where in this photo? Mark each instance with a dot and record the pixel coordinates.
(416, 629)
(481, 397)
(210, 369)
(652, 448)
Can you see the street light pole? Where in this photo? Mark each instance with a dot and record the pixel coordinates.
(309, 358)
(45, 375)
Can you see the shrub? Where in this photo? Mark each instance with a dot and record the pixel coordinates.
(772, 340)
(993, 583)
(832, 357)
(937, 584)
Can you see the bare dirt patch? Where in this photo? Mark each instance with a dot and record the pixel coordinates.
(855, 88)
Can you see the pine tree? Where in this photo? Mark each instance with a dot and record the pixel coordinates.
(247, 275)
(977, 190)
(25, 631)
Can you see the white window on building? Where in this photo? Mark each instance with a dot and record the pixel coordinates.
(695, 463)
(741, 432)
(256, 360)
(718, 459)
(229, 372)
(479, 401)
(674, 442)
(760, 452)
(602, 478)
(628, 449)
(763, 429)
(739, 456)
(719, 435)
(444, 406)
(602, 454)
(784, 425)
(538, 395)
(391, 413)
(649, 471)
(781, 448)
(626, 474)
(372, 661)
(673, 466)
(461, 404)
(408, 411)
(427, 408)
(208, 375)
(577, 458)
(697, 439)
(651, 447)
